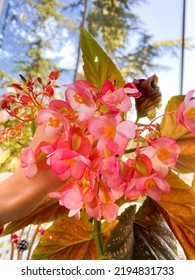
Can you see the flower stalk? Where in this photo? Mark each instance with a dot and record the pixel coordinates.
(98, 238)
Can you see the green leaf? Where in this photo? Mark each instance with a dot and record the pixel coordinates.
(119, 246)
(185, 139)
(153, 238)
(98, 67)
(67, 239)
(168, 124)
(178, 208)
(43, 214)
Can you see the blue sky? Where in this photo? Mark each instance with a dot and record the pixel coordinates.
(163, 19)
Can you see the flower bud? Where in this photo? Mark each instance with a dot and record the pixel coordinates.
(150, 100)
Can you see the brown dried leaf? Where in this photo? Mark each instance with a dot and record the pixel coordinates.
(179, 212)
(43, 214)
(67, 239)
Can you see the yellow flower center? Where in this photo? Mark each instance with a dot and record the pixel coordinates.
(149, 184)
(79, 99)
(76, 142)
(54, 122)
(191, 113)
(163, 154)
(71, 161)
(110, 131)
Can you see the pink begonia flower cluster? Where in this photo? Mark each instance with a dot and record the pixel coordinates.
(186, 112)
(88, 156)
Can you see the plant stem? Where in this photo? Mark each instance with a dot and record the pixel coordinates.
(33, 124)
(32, 242)
(33, 127)
(98, 238)
(12, 249)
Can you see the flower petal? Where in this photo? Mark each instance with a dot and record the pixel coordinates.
(109, 211)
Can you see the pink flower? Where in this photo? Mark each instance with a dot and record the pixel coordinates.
(81, 98)
(115, 100)
(108, 207)
(62, 107)
(15, 238)
(75, 140)
(186, 112)
(49, 91)
(78, 142)
(97, 201)
(152, 185)
(108, 86)
(65, 163)
(25, 98)
(28, 162)
(142, 165)
(41, 231)
(110, 170)
(111, 132)
(71, 198)
(54, 121)
(131, 90)
(163, 153)
(75, 196)
(109, 211)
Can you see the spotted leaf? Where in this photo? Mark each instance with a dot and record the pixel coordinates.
(119, 246)
(153, 238)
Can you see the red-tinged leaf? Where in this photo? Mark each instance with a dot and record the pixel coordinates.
(179, 212)
(98, 67)
(153, 238)
(185, 139)
(67, 239)
(43, 214)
